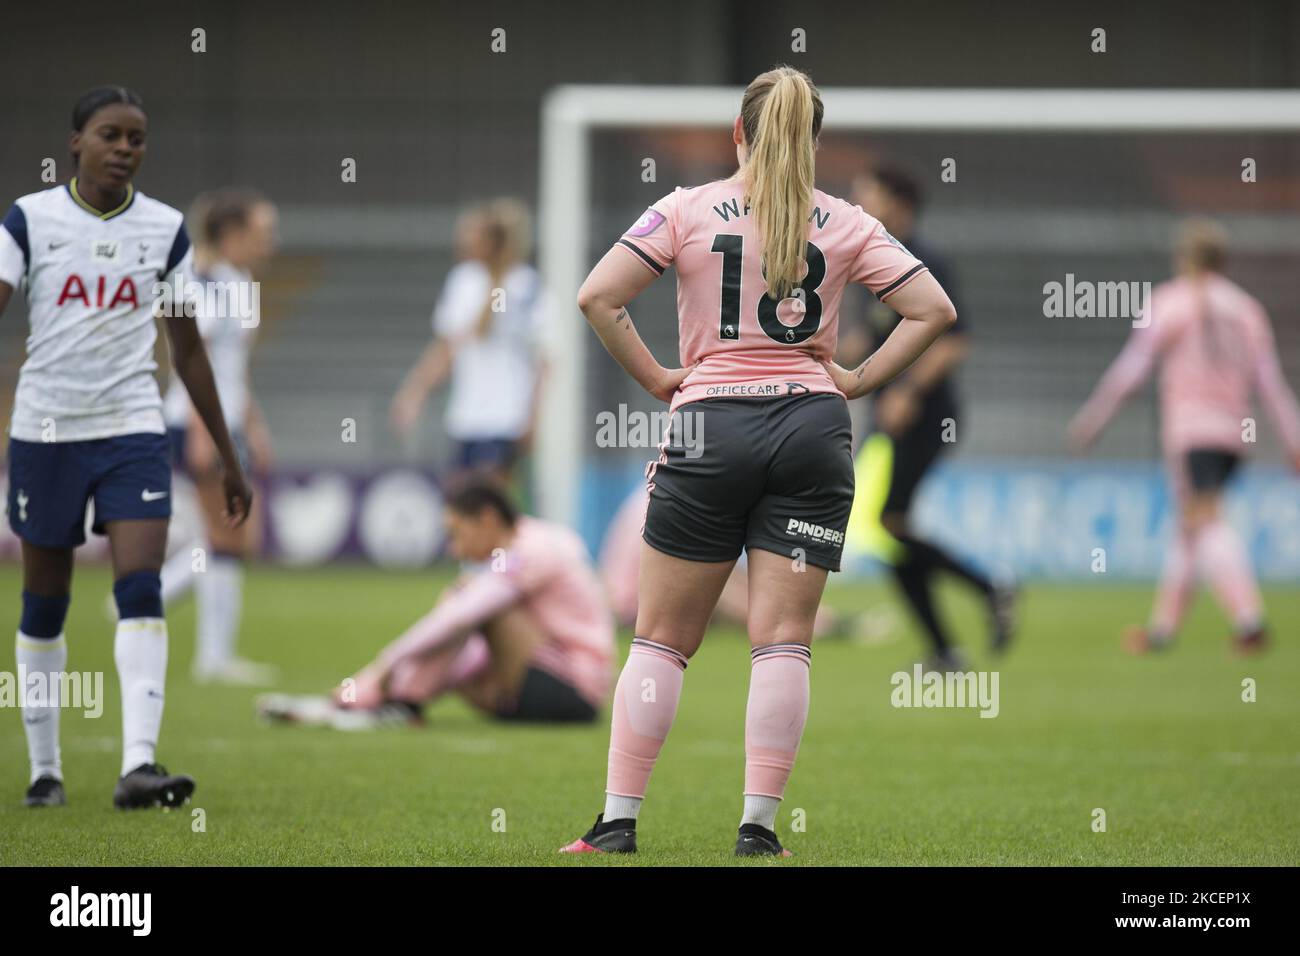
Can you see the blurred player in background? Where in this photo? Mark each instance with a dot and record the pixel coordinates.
(525, 634)
(1214, 346)
(235, 237)
(88, 424)
(490, 336)
(762, 260)
(915, 419)
(620, 567)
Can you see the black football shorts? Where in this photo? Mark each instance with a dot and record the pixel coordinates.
(1209, 469)
(769, 473)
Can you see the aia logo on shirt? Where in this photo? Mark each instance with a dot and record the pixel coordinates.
(76, 289)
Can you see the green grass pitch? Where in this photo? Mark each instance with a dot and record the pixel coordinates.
(1186, 772)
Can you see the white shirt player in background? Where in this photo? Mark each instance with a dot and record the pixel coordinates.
(490, 336)
(87, 426)
(234, 238)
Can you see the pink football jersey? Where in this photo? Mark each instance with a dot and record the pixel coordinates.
(746, 344)
(1214, 348)
(550, 566)
(1217, 349)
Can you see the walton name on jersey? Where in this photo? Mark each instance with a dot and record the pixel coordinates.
(89, 280)
(731, 209)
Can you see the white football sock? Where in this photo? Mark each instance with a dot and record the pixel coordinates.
(140, 650)
(219, 591)
(178, 574)
(761, 810)
(48, 657)
(621, 808)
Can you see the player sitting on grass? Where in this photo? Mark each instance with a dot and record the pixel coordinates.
(526, 634)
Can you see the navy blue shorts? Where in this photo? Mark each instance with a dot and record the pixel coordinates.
(176, 446)
(177, 438)
(486, 453)
(129, 477)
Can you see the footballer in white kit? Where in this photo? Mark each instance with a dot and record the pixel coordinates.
(229, 340)
(87, 427)
(235, 235)
(491, 339)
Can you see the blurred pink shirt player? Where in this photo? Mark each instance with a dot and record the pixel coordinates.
(1215, 348)
(546, 571)
(705, 231)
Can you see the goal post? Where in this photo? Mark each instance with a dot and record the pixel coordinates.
(571, 113)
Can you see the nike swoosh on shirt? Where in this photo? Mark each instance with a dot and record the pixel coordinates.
(152, 495)
(58, 245)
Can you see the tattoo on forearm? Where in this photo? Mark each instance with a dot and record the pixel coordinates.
(621, 317)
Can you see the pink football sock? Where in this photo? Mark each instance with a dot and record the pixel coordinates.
(645, 703)
(1225, 563)
(775, 717)
(1177, 583)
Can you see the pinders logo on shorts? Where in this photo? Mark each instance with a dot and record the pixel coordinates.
(648, 223)
(806, 529)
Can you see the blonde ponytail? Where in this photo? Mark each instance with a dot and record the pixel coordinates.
(508, 226)
(781, 114)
